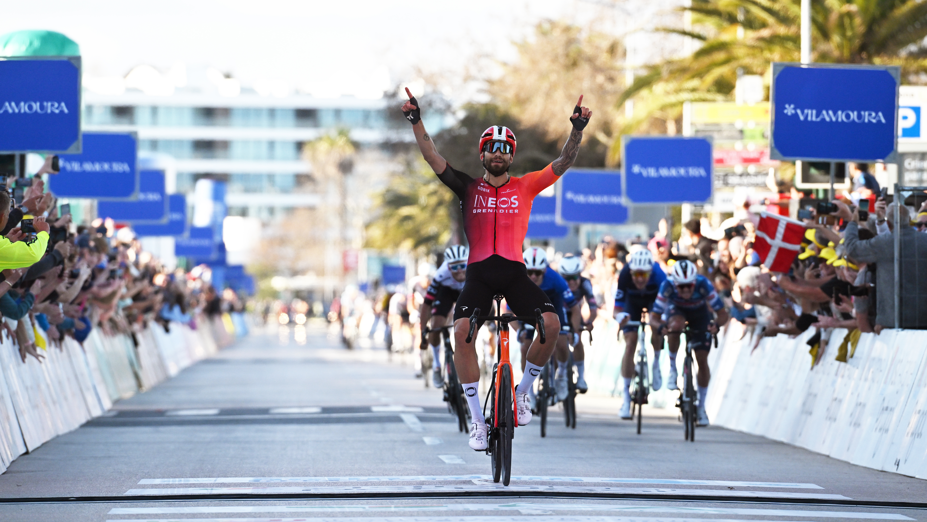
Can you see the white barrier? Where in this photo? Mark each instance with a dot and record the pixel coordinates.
(39, 401)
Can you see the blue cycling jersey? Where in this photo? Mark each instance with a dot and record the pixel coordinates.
(627, 293)
(584, 290)
(703, 294)
(557, 289)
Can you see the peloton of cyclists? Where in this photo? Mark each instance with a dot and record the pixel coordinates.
(440, 297)
(557, 290)
(570, 268)
(496, 208)
(689, 298)
(639, 283)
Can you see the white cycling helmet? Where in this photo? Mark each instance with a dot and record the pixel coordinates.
(535, 258)
(684, 272)
(456, 253)
(570, 265)
(641, 261)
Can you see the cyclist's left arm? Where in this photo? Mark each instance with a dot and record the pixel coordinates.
(590, 300)
(714, 302)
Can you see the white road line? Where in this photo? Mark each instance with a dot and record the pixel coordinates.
(204, 411)
(412, 422)
(432, 441)
(287, 490)
(292, 411)
(523, 507)
(495, 518)
(396, 408)
(451, 459)
(453, 478)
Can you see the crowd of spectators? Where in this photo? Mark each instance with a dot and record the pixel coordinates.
(60, 279)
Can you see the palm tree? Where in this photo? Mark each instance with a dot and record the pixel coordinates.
(745, 36)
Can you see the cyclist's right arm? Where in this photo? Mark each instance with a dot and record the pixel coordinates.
(412, 112)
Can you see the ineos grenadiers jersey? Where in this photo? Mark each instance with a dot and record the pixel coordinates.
(703, 294)
(558, 290)
(585, 290)
(442, 278)
(628, 295)
(496, 219)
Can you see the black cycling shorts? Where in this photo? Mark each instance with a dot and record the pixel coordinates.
(444, 300)
(497, 275)
(698, 320)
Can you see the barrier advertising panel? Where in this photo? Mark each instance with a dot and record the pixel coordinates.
(667, 170)
(40, 104)
(835, 112)
(542, 224)
(150, 206)
(104, 169)
(591, 196)
(176, 224)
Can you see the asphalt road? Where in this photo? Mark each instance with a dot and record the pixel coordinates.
(287, 425)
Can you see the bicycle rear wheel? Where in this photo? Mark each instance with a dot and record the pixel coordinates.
(543, 399)
(569, 405)
(690, 391)
(688, 403)
(495, 446)
(507, 431)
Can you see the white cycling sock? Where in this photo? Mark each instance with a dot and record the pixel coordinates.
(531, 373)
(702, 396)
(472, 391)
(627, 388)
(436, 349)
(673, 360)
(656, 359)
(580, 369)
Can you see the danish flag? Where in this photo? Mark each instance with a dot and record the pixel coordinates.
(778, 241)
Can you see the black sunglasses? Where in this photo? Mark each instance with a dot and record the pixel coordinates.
(571, 278)
(535, 272)
(685, 286)
(497, 146)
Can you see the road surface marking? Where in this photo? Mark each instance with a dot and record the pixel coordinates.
(451, 478)
(288, 490)
(291, 411)
(432, 441)
(396, 408)
(412, 422)
(451, 459)
(201, 412)
(510, 506)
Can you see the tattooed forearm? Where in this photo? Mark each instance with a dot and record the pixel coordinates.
(426, 137)
(569, 153)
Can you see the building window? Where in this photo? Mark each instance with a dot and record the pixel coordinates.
(210, 149)
(307, 118)
(123, 115)
(212, 117)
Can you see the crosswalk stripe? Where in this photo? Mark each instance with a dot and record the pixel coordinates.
(203, 411)
(277, 490)
(451, 459)
(292, 411)
(412, 422)
(523, 507)
(452, 478)
(432, 441)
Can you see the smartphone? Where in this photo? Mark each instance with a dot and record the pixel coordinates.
(863, 209)
(23, 182)
(805, 213)
(55, 164)
(27, 226)
(18, 193)
(64, 209)
(884, 193)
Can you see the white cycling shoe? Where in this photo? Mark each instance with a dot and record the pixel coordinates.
(523, 403)
(581, 385)
(656, 381)
(671, 382)
(479, 436)
(625, 413)
(702, 418)
(436, 378)
(561, 387)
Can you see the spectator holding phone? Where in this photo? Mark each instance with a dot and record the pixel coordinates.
(17, 249)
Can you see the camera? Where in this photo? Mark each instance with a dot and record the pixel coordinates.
(805, 213)
(74, 274)
(27, 226)
(826, 207)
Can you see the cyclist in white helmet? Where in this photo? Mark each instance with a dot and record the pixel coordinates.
(570, 268)
(563, 299)
(690, 298)
(439, 301)
(638, 285)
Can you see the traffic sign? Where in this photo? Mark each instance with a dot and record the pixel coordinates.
(176, 223)
(542, 223)
(149, 207)
(591, 196)
(40, 104)
(104, 169)
(834, 112)
(667, 170)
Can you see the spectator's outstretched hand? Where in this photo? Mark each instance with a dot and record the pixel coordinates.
(881, 207)
(10, 334)
(40, 224)
(29, 349)
(64, 247)
(63, 221)
(843, 211)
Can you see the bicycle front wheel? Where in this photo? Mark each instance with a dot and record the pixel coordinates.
(507, 431)
(543, 399)
(495, 446)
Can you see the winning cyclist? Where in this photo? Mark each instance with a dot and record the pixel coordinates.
(440, 297)
(638, 285)
(495, 208)
(570, 268)
(690, 298)
(559, 293)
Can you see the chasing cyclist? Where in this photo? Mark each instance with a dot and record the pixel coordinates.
(690, 298)
(440, 297)
(495, 208)
(563, 299)
(638, 285)
(570, 268)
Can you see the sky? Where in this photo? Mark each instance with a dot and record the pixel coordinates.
(339, 46)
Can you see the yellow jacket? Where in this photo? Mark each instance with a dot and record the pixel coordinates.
(22, 254)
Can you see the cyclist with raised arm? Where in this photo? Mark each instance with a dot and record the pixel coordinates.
(570, 268)
(496, 208)
(689, 298)
(559, 293)
(440, 297)
(638, 285)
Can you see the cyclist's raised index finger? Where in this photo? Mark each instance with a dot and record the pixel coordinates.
(580, 102)
(410, 93)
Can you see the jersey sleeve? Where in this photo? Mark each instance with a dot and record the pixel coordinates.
(621, 292)
(431, 292)
(456, 181)
(590, 294)
(539, 180)
(663, 297)
(561, 288)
